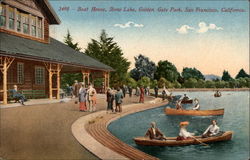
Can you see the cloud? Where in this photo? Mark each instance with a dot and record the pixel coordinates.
(184, 29)
(203, 27)
(129, 24)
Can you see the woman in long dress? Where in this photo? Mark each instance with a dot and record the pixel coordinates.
(82, 98)
(184, 134)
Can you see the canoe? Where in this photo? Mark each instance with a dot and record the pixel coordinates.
(216, 112)
(217, 95)
(171, 141)
(187, 101)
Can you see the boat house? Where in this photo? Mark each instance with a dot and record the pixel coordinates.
(30, 58)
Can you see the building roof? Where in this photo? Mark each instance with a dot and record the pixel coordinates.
(55, 51)
(52, 16)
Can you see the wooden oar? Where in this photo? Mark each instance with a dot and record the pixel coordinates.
(200, 141)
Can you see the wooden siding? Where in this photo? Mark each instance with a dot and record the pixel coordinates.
(29, 77)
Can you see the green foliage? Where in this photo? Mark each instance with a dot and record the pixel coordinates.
(69, 78)
(143, 67)
(131, 82)
(192, 73)
(210, 84)
(242, 74)
(176, 84)
(144, 81)
(190, 83)
(167, 70)
(200, 83)
(168, 84)
(226, 76)
(221, 84)
(162, 81)
(69, 41)
(154, 83)
(108, 52)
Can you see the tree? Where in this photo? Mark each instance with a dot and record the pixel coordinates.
(131, 82)
(176, 84)
(242, 74)
(162, 81)
(68, 78)
(192, 73)
(190, 83)
(167, 70)
(210, 84)
(69, 41)
(144, 81)
(143, 67)
(226, 76)
(154, 83)
(108, 52)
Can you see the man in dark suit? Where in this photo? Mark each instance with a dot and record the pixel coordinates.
(155, 133)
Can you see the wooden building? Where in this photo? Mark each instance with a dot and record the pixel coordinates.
(30, 58)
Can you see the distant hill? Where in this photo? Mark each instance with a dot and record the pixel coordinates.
(211, 77)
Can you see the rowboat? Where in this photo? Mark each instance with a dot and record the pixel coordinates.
(187, 101)
(171, 141)
(172, 111)
(217, 95)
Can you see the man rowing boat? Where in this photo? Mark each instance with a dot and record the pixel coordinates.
(212, 130)
(184, 134)
(155, 133)
(178, 105)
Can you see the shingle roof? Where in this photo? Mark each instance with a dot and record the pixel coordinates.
(55, 51)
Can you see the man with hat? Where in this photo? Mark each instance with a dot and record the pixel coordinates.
(155, 133)
(184, 134)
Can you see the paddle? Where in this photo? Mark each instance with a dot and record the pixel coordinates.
(200, 141)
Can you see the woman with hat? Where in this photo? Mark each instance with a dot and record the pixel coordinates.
(197, 105)
(82, 98)
(184, 134)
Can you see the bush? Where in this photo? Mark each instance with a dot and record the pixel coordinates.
(144, 81)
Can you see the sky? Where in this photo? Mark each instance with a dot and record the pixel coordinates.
(211, 36)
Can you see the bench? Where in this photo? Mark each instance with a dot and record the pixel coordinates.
(33, 94)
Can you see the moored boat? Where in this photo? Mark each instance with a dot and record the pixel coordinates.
(171, 141)
(189, 101)
(172, 111)
(217, 95)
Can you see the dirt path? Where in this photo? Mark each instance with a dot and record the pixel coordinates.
(44, 131)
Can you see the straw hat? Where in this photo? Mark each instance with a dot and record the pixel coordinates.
(185, 123)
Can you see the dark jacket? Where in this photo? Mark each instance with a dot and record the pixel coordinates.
(151, 135)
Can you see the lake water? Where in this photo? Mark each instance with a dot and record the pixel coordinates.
(236, 119)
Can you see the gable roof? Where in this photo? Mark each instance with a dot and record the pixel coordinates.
(55, 51)
(51, 14)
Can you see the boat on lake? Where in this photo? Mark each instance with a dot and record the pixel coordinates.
(171, 141)
(217, 95)
(172, 111)
(188, 101)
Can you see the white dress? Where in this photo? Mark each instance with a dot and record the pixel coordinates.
(184, 133)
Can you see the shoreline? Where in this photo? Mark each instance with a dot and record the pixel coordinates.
(207, 89)
(103, 141)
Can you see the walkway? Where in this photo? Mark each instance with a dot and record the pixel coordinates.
(43, 132)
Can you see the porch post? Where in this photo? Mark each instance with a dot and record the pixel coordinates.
(50, 82)
(108, 79)
(5, 63)
(5, 82)
(58, 81)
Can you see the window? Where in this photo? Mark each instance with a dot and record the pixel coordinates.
(25, 18)
(39, 28)
(33, 26)
(2, 15)
(20, 73)
(39, 75)
(11, 18)
(18, 21)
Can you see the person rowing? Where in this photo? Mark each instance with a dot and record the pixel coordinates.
(184, 134)
(185, 98)
(197, 105)
(178, 105)
(154, 133)
(212, 130)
